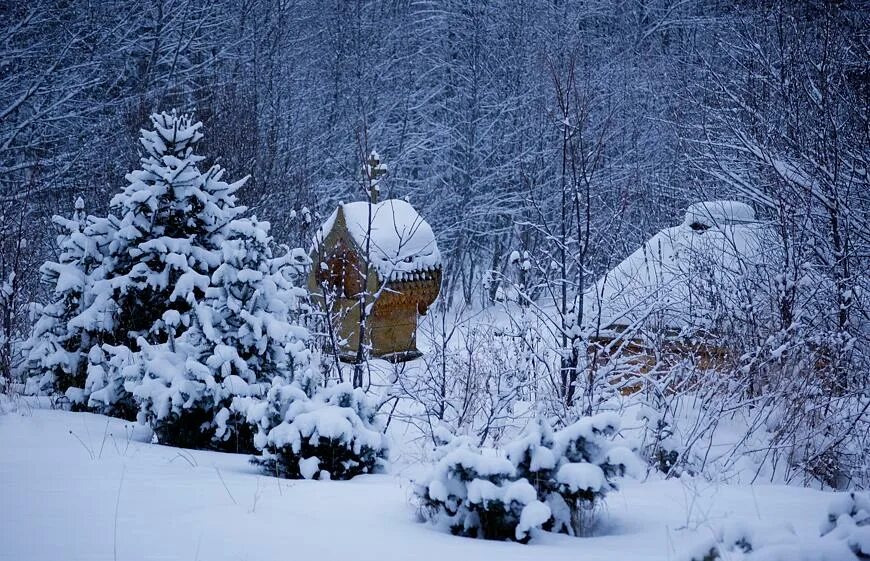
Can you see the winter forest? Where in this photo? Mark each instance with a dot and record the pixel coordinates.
(578, 279)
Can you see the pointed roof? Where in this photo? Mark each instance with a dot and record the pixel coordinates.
(402, 243)
(673, 280)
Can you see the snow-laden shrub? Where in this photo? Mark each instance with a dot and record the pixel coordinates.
(186, 404)
(546, 480)
(844, 536)
(477, 495)
(327, 434)
(110, 368)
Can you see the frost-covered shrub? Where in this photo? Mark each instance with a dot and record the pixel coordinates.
(186, 404)
(844, 536)
(477, 495)
(330, 434)
(110, 368)
(548, 480)
(572, 468)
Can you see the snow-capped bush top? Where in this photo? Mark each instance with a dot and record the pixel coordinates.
(402, 242)
(341, 414)
(584, 440)
(533, 451)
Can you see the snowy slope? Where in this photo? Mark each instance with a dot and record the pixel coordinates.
(77, 486)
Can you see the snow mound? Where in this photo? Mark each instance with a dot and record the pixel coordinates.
(581, 477)
(844, 536)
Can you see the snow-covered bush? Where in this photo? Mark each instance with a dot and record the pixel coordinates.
(844, 535)
(330, 434)
(547, 480)
(111, 368)
(477, 495)
(185, 403)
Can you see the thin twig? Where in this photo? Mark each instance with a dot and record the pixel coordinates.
(225, 485)
(117, 504)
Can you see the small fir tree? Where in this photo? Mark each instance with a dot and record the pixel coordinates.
(549, 480)
(170, 229)
(57, 349)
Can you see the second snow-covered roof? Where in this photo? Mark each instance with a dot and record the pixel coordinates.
(402, 244)
(678, 277)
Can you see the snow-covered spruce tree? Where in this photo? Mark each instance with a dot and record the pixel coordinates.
(316, 433)
(57, 349)
(547, 481)
(169, 223)
(242, 334)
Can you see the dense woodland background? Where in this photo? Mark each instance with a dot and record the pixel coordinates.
(571, 130)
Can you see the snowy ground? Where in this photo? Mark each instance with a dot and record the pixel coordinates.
(77, 486)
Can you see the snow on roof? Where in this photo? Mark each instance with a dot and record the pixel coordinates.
(402, 242)
(675, 278)
(719, 213)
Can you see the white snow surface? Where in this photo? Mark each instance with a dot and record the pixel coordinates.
(665, 282)
(402, 243)
(77, 486)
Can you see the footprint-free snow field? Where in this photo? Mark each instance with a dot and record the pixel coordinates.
(77, 486)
